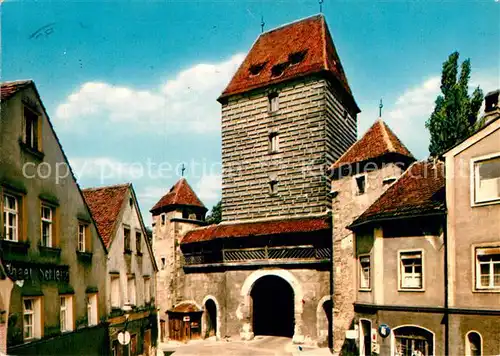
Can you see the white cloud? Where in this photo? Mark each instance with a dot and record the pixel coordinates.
(209, 187)
(408, 114)
(186, 101)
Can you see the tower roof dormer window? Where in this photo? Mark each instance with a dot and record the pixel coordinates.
(255, 69)
(278, 69)
(296, 57)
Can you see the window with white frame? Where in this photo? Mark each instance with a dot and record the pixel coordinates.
(147, 289)
(81, 237)
(274, 103)
(92, 309)
(11, 217)
(364, 271)
(32, 321)
(411, 270)
(486, 177)
(488, 268)
(66, 313)
(131, 296)
(47, 225)
(115, 291)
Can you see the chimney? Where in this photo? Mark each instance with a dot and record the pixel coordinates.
(491, 101)
(491, 108)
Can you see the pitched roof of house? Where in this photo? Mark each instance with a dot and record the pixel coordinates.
(181, 193)
(8, 89)
(420, 190)
(277, 47)
(105, 204)
(378, 141)
(261, 228)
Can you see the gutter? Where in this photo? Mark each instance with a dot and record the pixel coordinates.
(393, 218)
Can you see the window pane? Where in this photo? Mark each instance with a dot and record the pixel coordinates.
(488, 179)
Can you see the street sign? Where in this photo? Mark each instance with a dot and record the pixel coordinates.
(384, 330)
(124, 337)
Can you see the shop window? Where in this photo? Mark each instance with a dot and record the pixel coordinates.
(32, 322)
(66, 313)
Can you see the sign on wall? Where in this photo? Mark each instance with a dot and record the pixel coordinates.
(37, 272)
(384, 330)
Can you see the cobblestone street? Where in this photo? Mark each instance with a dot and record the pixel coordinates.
(261, 345)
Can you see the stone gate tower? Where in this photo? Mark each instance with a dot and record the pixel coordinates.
(287, 115)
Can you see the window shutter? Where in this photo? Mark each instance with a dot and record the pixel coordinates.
(88, 239)
(55, 226)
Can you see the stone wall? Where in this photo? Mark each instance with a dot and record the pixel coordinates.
(166, 245)
(347, 206)
(231, 291)
(314, 129)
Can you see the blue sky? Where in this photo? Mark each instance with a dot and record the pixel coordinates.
(132, 85)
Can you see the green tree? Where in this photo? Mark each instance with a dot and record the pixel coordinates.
(455, 114)
(215, 215)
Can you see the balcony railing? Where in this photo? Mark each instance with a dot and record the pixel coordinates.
(243, 255)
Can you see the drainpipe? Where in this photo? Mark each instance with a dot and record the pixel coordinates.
(446, 292)
(331, 333)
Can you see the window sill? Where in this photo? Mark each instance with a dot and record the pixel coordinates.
(32, 151)
(485, 203)
(364, 290)
(84, 256)
(14, 247)
(487, 290)
(411, 290)
(52, 252)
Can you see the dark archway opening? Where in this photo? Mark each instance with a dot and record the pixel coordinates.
(273, 307)
(210, 318)
(327, 308)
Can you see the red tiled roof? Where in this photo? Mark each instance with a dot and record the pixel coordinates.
(180, 194)
(105, 204)
(8, 89)
(274, 47)
(420, 190)
(263, 228)
(378, 141)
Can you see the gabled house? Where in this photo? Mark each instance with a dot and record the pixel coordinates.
(49, 244)
(131, 268)
(363, 173)
(473, 200)
(399, 250)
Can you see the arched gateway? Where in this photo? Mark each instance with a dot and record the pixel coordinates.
(272, 307)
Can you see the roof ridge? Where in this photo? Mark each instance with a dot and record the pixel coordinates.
(18, 81)
(108, 186)
(292, 23)
(387, 139)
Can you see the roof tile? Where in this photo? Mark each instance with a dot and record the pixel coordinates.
(378, 141)
(275, 48)
(180, 194)
(420, 190)
(105, 204)
(8, 89)
(263, 228)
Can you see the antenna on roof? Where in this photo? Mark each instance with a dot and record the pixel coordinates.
(320, 6)
(183, 168)
(380, 106)
(262, 23)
